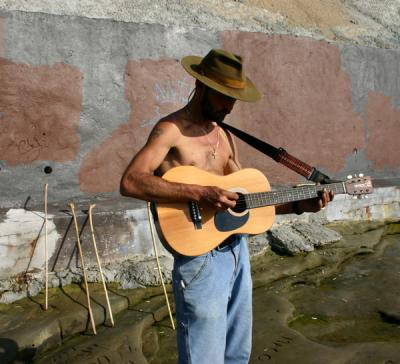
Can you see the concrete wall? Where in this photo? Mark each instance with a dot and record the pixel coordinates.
(79, 96)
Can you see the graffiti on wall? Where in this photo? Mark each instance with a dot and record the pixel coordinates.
(39, 112)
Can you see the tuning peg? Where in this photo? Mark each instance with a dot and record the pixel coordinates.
(349, 176)
(361, 175)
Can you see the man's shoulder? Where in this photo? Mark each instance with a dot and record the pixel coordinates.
(168, 129)
(174, 122)
(170, 120)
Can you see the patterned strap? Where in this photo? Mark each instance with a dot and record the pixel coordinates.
(280, 155)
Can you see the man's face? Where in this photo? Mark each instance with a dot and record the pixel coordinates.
(215, 106)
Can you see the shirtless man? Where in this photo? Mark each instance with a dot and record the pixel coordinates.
(212, 291)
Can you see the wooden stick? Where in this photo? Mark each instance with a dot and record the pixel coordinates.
(78, 242)
(158, 264)
(91, 207)
(46, 258)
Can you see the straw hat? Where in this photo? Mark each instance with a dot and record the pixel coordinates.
(222, 71)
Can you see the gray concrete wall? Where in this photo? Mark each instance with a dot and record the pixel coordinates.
(79, 96)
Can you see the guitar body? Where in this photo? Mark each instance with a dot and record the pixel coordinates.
(180, 234)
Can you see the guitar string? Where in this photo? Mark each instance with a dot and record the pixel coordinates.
(280, 197)
(287, 195)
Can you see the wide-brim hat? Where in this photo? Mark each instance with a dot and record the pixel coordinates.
(224, 72)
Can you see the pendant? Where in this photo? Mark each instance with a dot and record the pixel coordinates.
(213, 155)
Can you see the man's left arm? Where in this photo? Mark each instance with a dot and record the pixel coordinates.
(312, 205)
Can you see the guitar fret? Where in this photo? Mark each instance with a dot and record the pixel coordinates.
(259, 199)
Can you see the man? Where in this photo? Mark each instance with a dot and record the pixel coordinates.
(212, 291)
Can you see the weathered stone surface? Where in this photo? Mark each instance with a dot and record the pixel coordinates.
(68, 305)
(317, 235)
(286, 240)
(258, 244)
(32, 330)
(123, 235)
(300, 237)
(359, 21)
(326, 313)
(133, 274)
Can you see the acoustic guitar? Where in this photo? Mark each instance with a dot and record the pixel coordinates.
(193, 229)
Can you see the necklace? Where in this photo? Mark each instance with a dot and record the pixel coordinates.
(214, 148)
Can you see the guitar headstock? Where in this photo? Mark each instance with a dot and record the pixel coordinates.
(358, 185)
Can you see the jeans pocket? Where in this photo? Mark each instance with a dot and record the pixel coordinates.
(191, 268)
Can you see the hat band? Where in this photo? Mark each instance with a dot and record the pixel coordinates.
(230, 82)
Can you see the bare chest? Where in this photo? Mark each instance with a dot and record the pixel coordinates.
(210, 153)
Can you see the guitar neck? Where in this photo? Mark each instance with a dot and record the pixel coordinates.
(260, 199)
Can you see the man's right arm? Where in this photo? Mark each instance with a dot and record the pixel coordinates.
(139, 181)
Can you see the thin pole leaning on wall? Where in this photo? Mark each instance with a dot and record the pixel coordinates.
(91, 207)
(158, 264)
(46, 257)
(78, 242)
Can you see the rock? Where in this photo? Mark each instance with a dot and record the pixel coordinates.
(258, 244)
(291, 239)
(316, 234)
(285, 240)
(135, 274)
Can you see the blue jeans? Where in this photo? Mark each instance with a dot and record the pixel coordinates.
(213, 298)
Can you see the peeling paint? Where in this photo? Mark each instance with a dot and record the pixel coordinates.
(22, 242)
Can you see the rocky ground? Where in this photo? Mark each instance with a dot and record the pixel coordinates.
(344, 309)
(314, 304)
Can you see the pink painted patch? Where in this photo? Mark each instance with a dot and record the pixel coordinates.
(306, 106)
(383, 141)
(39, 112)
(154, 88)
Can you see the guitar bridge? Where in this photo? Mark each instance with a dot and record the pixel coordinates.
(195, 215)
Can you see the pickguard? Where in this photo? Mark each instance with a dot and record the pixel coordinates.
(225, 221)
(229, 220)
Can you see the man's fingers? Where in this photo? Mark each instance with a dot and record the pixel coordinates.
(220, 198)
(228, 202)
(231, 195)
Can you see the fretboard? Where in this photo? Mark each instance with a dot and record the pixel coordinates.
(277, 197)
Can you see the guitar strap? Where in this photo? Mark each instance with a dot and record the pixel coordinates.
(280, 155)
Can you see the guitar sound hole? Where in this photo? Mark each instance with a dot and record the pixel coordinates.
(240, 204)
